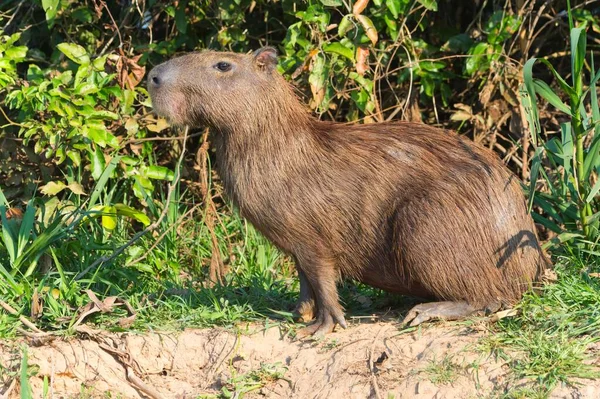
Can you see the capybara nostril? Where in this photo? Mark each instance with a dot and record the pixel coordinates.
(154, 78)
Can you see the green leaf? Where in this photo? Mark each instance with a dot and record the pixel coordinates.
(9, 236)
(431, 5)
(97, 162)
(181, 17)
(533, 175)
(25, 386)
(99, 62)
(394, 7)
(103, 179)
(593, 192)
(26, 229)
(546, 92)
(16, 54)
(109, 217)
(332, 3)
(98, 133)
(338, 48)
(3, 200)
(130, 212)
(578, 44)
(159, 173)
(50, 8)
(75, 52)
(476, 58)
(369, 27)
(458, 44)
(345, 25)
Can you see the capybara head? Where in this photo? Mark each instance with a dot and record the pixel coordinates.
(214, 88)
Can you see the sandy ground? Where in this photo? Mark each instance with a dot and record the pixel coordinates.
(365, 361)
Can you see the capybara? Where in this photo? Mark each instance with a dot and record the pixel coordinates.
(401, 206)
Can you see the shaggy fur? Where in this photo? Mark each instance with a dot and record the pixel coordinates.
(400, 206)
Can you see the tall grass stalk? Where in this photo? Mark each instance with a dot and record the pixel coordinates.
(570, 207)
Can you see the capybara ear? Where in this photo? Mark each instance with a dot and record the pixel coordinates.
(266, 58)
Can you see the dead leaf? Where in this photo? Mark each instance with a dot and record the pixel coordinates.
(129, 72)
(160, 125)
(37, 306)
(359, 6)
(504, 313)
(362, 60)
(14, 213)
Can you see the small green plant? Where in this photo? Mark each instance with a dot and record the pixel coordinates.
(570, 206)
(442, 372)
(238, 386)
(26, 392)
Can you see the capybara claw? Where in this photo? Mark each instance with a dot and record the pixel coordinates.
(342, 322)
(324, 324)
(304, 312)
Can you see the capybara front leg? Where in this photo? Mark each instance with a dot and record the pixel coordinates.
(322, 278)
(438, 311)
(305, 310)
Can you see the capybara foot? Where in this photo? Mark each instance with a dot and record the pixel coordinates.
(305, 311)
(324, 324)
(438, 311)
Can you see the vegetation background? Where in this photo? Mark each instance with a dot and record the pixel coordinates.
(99, 201)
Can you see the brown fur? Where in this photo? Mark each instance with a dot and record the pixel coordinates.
(400, 206)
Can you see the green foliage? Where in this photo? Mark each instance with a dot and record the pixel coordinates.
(549, 340)
(570, 206)
(25, 386)
(10, 56)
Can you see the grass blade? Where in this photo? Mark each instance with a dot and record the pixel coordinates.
(8, 235)
(103, 180)
(533, 175)
(26, 229)
(578, 44)
(546, 92)
(25, 387)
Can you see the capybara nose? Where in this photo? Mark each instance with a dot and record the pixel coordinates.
(155, 80)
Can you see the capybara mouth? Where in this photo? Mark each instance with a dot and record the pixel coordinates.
(171, 107)
(167, 101)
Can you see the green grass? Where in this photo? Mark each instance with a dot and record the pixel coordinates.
(442, 372)
(548, 342)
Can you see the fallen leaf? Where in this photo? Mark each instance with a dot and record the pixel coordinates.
(359, 6)
(362, 60)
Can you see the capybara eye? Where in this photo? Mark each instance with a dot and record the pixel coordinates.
(223, 66)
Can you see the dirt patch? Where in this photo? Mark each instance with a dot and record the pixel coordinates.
(368, 360)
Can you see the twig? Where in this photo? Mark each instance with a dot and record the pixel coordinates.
(22, 318)
(5, 29)
(135, 141)
(10, 388)
(371, 369)
(151, 227)
(10, 122)
(140, 385)
(216, 269)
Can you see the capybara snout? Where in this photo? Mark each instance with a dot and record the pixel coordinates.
(401, 206)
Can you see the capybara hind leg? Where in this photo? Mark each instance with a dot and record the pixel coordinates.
(305, 310)
(322, 279)
(438, 310)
